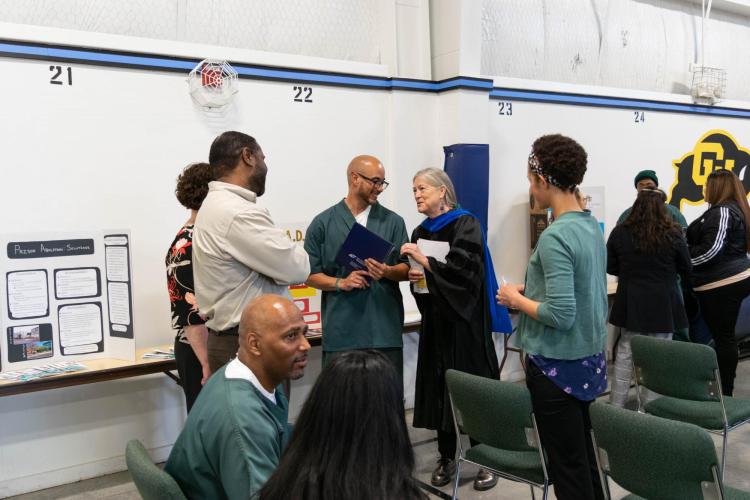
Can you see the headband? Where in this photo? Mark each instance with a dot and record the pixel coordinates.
(536, 168)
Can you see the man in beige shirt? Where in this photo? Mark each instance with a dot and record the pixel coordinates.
(238, 253)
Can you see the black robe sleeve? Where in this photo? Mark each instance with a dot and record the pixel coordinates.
(460, 280)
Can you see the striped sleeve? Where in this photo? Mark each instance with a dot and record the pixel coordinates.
(713, 236)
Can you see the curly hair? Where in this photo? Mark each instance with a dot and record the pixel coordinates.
(192, 185)
(560, 158)
(649, 223)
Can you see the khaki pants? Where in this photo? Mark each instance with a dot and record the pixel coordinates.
(623, 372)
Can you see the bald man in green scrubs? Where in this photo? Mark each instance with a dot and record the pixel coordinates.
(359, 313)
(237, 429)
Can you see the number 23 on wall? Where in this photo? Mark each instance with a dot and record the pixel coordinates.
(505, 108)
(60, 75)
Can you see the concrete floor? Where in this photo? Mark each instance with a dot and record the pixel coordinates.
(120, 486)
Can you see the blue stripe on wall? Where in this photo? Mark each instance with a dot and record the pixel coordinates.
(614, 102)
(166, 63)
(156, 62)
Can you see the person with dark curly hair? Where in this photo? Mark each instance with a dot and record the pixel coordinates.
(350, 440)
(647, 252)
(190, 343)
(562, 327)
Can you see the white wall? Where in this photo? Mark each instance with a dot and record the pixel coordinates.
(632, 44)
(337, 29)
(394, 33)
(105, 152)
(617, 147)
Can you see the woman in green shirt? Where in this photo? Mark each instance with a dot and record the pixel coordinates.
(562, 326)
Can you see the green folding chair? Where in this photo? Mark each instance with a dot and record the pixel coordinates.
(152, 482)
(498, 415)
(656, 458)
(686, 375)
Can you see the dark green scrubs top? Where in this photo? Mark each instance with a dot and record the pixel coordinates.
(359, 319)
(673, 212)
(232, 440)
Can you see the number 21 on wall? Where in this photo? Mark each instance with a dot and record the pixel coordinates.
(58, 78)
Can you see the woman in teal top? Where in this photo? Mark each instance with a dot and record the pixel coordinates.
(562, 327)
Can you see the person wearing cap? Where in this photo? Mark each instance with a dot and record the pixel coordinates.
(647, 179)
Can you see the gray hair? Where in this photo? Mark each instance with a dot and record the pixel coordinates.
(438, 178)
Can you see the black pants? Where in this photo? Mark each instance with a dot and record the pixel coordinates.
(720, 307)
(221, 349)
(565, 431)
(190, 371)
(447, 444)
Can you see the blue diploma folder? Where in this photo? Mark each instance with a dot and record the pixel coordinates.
(361, 244)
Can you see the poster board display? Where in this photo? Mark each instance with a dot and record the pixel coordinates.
(539, 219)
(65, 296)
(305, 297)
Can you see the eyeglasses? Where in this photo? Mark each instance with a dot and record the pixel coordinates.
(378, 183)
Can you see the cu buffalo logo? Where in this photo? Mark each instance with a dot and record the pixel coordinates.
(717, 149)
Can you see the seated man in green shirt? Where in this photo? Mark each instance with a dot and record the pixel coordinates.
(362, 309)
(237, 429)
(647, 179)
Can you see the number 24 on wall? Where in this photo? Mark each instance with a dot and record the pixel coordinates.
(58, 77)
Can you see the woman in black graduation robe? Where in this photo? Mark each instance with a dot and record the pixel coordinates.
(455, 331)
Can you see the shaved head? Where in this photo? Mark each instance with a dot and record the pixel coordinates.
(272, 340)
(363, 174)
(366, 165)
(267, 312)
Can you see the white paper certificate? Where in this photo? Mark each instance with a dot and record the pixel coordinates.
(117, 263)
(119, 303)
(74, 283)
(437, 249)
(80, 324)
(27, 294)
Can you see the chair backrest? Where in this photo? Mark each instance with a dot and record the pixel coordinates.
(742, 327)
(677, 369)
(152, 482)
(654, 457)
(493, 412)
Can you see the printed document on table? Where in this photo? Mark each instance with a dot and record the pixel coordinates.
(119, 303)
(27, 294)
(76, 283)
(80, 324)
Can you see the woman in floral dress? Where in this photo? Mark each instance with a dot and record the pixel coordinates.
(190, 342)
